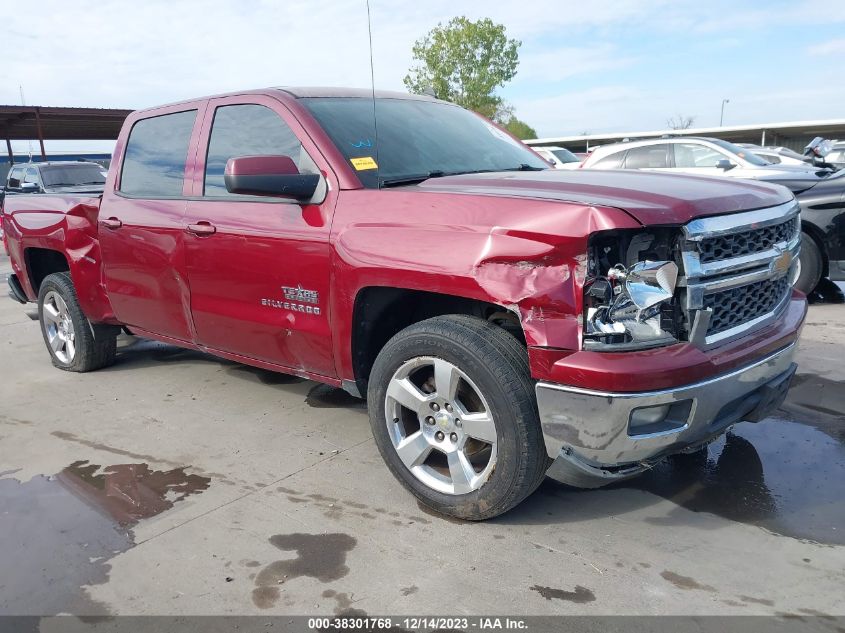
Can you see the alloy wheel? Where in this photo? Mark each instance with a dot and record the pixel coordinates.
(441, 425)
(58, 327)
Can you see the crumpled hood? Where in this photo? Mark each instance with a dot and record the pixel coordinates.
(651, 198)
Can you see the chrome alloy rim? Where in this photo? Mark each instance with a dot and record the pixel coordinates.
(440, 425)
(58, 327)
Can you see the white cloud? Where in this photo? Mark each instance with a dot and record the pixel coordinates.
(116, 54)
(562, 63)
(110, 53)
(831, 47)
(587, 111)
(622, 108)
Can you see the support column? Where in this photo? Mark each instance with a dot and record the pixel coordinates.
(11, 154)
(40, 134)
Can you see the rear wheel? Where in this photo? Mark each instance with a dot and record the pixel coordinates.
(810, 265)
(74, 344)
(453, 413)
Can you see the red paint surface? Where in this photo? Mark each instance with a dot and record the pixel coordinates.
(515, 242)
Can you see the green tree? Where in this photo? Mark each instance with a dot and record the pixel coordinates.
(519, 129)
(464, 62)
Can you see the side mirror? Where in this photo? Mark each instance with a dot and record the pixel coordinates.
(725, 164)
(274, 176)
(30, 187)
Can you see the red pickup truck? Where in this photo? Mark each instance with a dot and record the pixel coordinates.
(504, 320)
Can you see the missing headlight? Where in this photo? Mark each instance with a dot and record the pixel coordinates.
(630, 299)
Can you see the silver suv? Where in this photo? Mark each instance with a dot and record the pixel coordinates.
(689, 155)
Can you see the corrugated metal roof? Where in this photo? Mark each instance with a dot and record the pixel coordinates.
(59, 123)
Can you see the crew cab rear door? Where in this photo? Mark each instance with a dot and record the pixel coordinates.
(141, 221)
(258, 266)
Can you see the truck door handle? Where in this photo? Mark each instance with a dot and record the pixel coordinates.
(111, 223)
(202, 229)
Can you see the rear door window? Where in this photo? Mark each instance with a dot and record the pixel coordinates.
(612, 161)
(155, 157)
(647, 157)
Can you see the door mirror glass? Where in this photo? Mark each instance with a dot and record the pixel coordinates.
(274, 176)
(725, 164)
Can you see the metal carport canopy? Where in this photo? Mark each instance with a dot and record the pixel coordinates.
(52, 123)
(756, 133)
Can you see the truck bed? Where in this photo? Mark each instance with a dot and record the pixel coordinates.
(64, 224)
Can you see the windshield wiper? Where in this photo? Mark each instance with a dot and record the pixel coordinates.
(411, 180)
(525, 167)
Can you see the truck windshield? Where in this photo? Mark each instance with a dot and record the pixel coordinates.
(72, 175)
(416, 139)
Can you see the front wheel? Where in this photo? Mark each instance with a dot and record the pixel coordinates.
(809, 265)
(453, 412)
(74, 344)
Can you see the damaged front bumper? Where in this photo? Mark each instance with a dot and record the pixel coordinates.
(596, 438)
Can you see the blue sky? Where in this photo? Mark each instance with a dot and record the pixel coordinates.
(620, 65)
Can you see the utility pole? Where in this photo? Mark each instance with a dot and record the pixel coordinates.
(23, 103)
(722, 115)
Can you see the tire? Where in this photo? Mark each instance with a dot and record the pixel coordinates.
(77, 345)
(487, 380)
(810, 262)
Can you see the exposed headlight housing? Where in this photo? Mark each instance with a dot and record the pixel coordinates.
(631, 304)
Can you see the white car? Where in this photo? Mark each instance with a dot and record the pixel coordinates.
(559, 157)
(689, 155)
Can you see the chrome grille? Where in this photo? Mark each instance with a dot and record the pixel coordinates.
(736, 271)
(737, 306)
(746, 242)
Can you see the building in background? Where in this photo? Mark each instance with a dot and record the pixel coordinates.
(794, 135)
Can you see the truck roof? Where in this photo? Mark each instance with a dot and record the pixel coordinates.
(305, 92)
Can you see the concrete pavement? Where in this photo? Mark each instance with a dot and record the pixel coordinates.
(177, 483)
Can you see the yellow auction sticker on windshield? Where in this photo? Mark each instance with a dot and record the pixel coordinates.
(365, 162)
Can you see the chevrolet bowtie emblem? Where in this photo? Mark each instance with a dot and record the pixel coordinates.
(783, 262)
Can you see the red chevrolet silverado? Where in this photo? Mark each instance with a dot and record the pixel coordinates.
(505, 321)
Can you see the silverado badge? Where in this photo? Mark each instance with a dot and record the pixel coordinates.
(296, 299)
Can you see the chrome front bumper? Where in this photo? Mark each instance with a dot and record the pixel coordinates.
(598, 437)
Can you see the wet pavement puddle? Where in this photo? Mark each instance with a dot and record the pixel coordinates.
(59, 532)
(320, 556)
(784, 476)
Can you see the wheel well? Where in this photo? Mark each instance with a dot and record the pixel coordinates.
(818, 237)
(380, 313)
(41, 262)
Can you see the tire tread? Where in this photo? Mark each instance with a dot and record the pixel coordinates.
(508, 361)
(96, 346)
